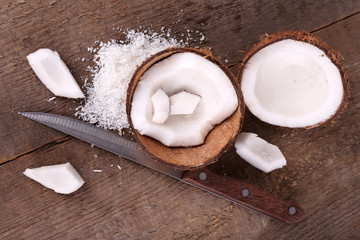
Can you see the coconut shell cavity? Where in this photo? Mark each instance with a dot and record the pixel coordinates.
(293, 79)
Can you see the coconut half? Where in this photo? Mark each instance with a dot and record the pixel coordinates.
(200, 133)
(293, 79)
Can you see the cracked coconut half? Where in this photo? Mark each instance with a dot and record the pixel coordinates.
(293, 79)
(185, 107)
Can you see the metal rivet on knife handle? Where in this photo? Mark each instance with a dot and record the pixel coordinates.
(245, 192)
(292, 210)
(202, 176)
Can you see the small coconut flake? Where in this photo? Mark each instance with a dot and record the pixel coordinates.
(51, 99)
(53, 72)
(259, 153)
(202, 38)
(161, 106)
(97, 170)
(183, 103)
(119, 167)
(62, 178)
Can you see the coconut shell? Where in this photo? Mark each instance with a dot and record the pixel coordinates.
(306, 37)
(217, 142)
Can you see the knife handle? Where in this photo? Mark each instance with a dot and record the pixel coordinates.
(245, 194)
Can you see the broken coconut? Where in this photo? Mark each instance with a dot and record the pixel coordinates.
(62, 178)
(53, 72)
(259, 153)
(207, 120)
(293, 79)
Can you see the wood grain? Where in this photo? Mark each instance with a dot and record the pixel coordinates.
(137, 203)
(131, 203)
(329, 175)
(230, 27)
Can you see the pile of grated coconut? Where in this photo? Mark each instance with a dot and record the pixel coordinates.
(115, 64)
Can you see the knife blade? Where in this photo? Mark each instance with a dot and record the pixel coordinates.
(235, 190)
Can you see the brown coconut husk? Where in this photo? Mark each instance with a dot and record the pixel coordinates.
(306, 37)
(217, 142)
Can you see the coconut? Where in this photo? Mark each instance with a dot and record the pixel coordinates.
(258, 152)
(293, 79)
(222, 132)
(183, 103)
(54, 74)
(62, 178)
(161, 105)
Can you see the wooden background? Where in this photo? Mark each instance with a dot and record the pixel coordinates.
(322, 173)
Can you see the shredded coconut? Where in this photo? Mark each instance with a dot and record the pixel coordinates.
(115, 64)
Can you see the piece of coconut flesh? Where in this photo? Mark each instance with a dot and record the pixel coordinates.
(161, 105)
(259, 153)
(183, 103)
(62, 178)
(193, 74)
(292, 84)
(53, 72)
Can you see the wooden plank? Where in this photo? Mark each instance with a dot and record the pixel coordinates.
(137, 203)
(71, 27)
(131, 203)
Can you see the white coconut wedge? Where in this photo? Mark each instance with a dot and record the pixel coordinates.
(259, 153)
(183, 103)
(161, 105)
(54, 74)
(293, 79)
(205, 101)
(62, 178)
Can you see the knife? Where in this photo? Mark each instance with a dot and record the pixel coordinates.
(235, 190)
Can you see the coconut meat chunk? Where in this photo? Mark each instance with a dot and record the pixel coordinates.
(62, 178)
(161, 105)
(259, 153)
(53, 72)
(183, 103)
(195, 75)
(292, 84)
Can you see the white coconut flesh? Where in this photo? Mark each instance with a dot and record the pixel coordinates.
(62, 178)
(292, 84)
(53, 72)
(259, 153)
(161, 105)
(193, 74)
(183, 103)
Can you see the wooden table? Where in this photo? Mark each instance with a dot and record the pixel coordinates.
(322, 173)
